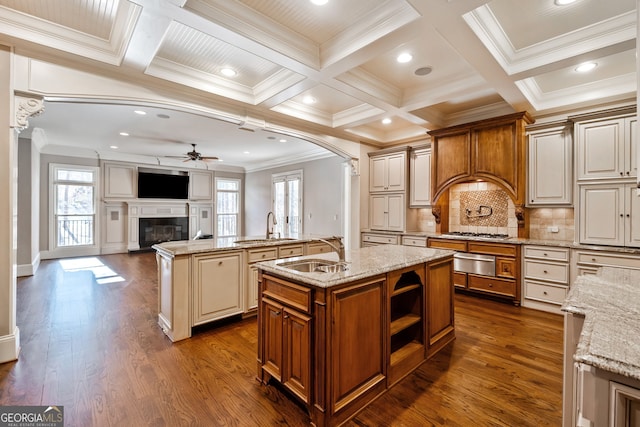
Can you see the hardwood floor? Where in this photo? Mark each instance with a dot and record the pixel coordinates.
(94, 346)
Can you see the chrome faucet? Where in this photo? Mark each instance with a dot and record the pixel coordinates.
(339, 249)
(270, 234)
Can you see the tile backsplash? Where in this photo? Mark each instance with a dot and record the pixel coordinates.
(481, 207)
(542, 221)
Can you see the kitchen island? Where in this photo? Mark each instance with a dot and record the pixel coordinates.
(339, 338)
(602, 349)
(201, 281)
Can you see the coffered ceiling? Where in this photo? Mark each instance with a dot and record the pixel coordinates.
(471, 59)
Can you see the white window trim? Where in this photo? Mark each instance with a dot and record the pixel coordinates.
(215, 207)
(284, 176)
(72, 251)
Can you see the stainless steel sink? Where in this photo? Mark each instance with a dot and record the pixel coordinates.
(275, 239)
(315, 266)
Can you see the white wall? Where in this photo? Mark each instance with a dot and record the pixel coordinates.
(322, 204)
(28, 255)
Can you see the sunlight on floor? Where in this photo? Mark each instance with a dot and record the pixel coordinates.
(101, 272)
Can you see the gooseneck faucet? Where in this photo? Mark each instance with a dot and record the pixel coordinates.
(270, 234)
(339, 249)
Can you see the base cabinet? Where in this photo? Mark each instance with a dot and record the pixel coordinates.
(337, 349)
(217, 286)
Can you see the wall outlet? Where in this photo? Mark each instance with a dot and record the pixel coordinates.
(553, 229)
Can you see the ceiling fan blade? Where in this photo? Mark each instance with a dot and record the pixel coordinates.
(176, 157)
(208, 158)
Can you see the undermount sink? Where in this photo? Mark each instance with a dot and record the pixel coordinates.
(273, 239)
(315, 266)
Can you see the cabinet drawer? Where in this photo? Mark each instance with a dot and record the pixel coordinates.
(600, 259)
(492, 285)
(493, 248)
(380, 238)
(542, 252)
(414, 241)
(460, 280)
(319, 248)
(266, 254)
(287, 293)
(456, 245)
(290, 250)
(545, 292)
(546, 271)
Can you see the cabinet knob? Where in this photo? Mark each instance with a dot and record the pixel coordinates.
(545, 272)
(621, 215)
(621, 174)
(286, 316)
(627, 172)
(491, 285)
(627, 215)
(545, 254)
(263, 255)
(545, 292)
(593, 260)
(219, 262)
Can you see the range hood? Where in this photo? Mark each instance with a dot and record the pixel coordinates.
(491, 150)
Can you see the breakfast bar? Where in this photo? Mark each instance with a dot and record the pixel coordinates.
(337, 333)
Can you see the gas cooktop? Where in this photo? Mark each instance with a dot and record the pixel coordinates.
(481, 235)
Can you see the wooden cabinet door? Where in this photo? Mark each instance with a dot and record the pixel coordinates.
(600, 149)
(296, 360)
(272, 335)
(550, 172)
(357, 342)
(420, 181)
(440, 314)
(451, 160)
(217, 287)
(602, 218)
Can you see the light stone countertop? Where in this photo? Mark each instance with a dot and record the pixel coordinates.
(188, 247)
(364, 262)
(610, 302)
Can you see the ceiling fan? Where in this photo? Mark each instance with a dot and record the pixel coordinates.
(193, 155)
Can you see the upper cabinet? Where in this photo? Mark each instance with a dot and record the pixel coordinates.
(200, 185)
(550, 165)
(387, 172)
(120, 180)
(420, 178)
(606, 148)
(492, 150)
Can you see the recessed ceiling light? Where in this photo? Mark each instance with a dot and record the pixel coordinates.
(587, 66)
(386, 121)
(229, 72)
(124, 134)
(113, 147)
(140, 112)
(283, 140)
(246, 152)
(563, 2)
(404, 57)
(319, 2)
(308, 99)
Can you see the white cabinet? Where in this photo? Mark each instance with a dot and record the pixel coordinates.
(114, 228)
(374, 239)
(217, 286)
(609, 214)
(387, 212)
(588, 262)
(550, 180)
(606, 148)
(119, 180)
(420, 178)
(387, 172)
(546, 277)
(200, 185)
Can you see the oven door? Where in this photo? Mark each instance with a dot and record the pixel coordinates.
(483, 265)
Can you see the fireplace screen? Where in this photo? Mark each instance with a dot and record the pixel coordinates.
(158, 230)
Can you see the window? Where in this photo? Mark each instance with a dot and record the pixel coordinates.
(287, 203)
(227, 207)
(73, 191)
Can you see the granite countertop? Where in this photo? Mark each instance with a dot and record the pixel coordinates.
(362, 263)
(187, 247)
(610, 302)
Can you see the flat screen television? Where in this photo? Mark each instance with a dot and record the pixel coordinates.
(162, 184)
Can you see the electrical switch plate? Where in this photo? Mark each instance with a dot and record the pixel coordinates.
(553, 229)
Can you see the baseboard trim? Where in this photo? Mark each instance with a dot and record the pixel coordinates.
(10, 346)
(23, 270)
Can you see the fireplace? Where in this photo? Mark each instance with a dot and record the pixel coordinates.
(157, 230)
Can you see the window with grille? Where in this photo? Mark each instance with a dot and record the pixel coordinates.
(227, 207)
(287, 203)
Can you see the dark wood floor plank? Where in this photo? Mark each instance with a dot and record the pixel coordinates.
(96, 349)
